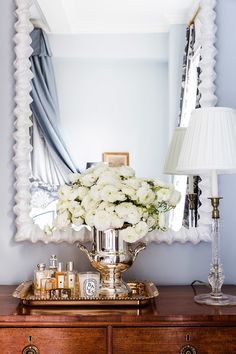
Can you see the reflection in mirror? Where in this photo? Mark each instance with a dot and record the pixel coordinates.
(116, 92)
(50, 160)
(186, 212)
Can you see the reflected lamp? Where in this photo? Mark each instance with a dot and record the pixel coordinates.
(170, 168)
(174, 149)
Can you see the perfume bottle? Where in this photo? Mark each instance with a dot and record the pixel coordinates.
(70, 277)
(53, 265)
(39, 274)
(60, 276)
(47, 284)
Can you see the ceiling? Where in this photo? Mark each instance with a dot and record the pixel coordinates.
(113, 16)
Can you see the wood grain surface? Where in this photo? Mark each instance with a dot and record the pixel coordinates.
(170, 322)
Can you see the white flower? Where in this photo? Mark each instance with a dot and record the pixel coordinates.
(110, 207)
(67, 193)
(76, 209)
(95, 192)
(129, 212)
(134, 216)
(145, 194)
(123, 209)
(102, 220)
(163, 195)
(87, 180)
(116, 222)
(133, 182)
(112, 197)
(151, 221)
(89, 218)
(125, 171)
(141, 228)
(77, 221)
(88, 203)
(100, 169)
(129, 234)
(144, 212)
(109, 177)
(63, 205)
(74, 177)
(111, 194)
(82, 192)
(129, 191)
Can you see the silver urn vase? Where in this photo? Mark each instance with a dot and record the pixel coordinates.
(111, 256)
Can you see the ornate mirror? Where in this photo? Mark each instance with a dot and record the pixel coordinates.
(32, 192)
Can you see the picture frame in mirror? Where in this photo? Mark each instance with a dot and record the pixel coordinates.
(116, 158)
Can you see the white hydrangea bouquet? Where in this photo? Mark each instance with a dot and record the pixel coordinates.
(108, 197)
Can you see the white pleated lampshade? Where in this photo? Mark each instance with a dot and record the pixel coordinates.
(210, 142)
(172, 156)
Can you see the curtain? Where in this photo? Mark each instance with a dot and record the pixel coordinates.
(189, 100)
(51, 162)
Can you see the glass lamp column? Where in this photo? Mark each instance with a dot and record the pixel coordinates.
(216, 274)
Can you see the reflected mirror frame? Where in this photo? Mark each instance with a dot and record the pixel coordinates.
(26, 229)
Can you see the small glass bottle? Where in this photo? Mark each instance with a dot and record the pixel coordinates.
(70, 277)
(53, 265)
(39, 274)
(43, 287)
(60, 276)
(49, 284)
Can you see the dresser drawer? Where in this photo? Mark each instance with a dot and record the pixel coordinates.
(217, 340)
(53, 340)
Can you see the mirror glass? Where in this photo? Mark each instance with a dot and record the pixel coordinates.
(112, 71)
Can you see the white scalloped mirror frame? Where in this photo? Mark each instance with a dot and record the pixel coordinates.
(26, 229)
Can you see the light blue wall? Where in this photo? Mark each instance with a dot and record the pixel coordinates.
(103, 107)
(226, 93)
(149, 46)
(113, 96)
(162, 263)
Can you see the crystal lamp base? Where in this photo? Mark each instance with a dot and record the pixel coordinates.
(210, 299)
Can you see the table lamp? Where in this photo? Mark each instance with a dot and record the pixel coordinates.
(209, 148)
(170, 165)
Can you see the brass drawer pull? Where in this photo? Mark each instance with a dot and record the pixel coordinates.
(188, 349)
(30, 349)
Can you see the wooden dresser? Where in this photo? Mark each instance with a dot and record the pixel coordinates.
(172, 324)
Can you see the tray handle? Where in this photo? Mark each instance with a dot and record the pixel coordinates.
(22, 290)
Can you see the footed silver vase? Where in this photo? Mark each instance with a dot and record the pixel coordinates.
(111, 256)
